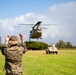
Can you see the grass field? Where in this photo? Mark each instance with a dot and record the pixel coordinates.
(40, 63)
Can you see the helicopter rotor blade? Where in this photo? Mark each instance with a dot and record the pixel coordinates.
(48, 24)
(43, 28)
(21, 27)
(25, 24)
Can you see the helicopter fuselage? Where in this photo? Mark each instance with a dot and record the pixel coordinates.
(36, 33)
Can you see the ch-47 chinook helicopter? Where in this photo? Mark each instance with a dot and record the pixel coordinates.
(36, 31)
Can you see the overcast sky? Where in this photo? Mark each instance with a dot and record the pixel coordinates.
(60, 12)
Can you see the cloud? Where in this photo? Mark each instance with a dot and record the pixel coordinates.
(63, 14)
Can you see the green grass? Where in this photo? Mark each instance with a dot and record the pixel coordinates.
(40, 63)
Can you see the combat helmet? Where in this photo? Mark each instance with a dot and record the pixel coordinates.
(13, 40)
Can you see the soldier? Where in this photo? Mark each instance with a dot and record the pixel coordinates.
(13, 53)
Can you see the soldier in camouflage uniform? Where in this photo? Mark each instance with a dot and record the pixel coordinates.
(13, 53)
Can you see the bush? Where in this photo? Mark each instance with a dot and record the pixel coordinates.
(34, 45)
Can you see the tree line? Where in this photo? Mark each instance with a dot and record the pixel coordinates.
(63, 44)
(35, 45)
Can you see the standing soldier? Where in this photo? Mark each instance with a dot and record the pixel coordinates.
(13, 53)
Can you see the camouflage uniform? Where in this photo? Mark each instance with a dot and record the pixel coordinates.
(13, 58)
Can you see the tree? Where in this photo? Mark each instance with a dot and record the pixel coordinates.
(68, 45)
(61, 44)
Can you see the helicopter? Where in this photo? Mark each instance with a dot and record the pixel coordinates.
(36, 32)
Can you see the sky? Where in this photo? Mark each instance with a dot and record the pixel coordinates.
(59, 12)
